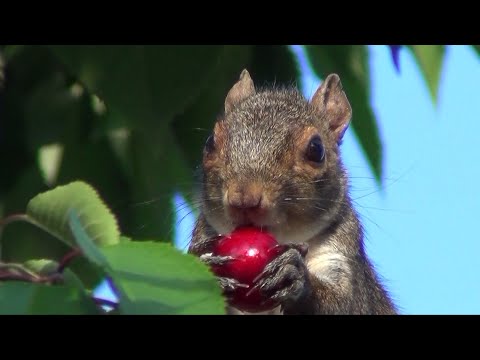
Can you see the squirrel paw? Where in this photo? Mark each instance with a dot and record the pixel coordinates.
(227, 284)
(211, 259)
(284, 279)
(202, 245)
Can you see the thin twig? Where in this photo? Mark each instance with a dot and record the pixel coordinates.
(67, 259)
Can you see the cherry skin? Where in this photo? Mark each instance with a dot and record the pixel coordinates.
(252, 249)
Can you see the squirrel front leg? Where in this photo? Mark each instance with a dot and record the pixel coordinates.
(286, 279)
(325, 282)
(203, 238)
(322, 282)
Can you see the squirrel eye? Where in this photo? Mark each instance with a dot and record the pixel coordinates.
(315, 150)
(210, 143)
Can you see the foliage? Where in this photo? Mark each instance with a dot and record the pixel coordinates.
(148, 277)
(129, 122)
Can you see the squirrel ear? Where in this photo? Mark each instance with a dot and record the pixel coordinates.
(240, 91)
(331, 100)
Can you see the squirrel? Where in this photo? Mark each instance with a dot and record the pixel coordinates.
(273, 161)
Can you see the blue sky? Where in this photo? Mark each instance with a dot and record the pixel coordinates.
(420, 229)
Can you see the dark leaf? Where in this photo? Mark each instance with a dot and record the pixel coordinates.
(95, 162)
(160, 169)
(395, 51)
(273, 64)
(351, 64)
(23, 298)
(477, 48)
(147, 84)
(191, 128)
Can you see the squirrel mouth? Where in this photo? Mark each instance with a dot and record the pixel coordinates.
(253, 224)
(253, 217)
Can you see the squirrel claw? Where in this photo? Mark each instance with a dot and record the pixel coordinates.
(211, 259)
(229, 284)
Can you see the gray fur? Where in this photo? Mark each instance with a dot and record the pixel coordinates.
(261, 143)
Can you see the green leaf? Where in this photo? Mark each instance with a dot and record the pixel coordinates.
(49, 210)
(2, 71)
(84, 241)
(273, 64)
(160, 169)
(21, 241)
(41, 266)
(477, 49)
(46, 267)
(147, 84)
(53, 114)
(192, 127)
(95, 163)
(124, 239)
(29, 68)
(268, 64)
(159, 279)
(143, 87)
(430, 60)
(22, 298)
(350, 62)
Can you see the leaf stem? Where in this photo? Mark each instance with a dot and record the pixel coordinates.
(68, 258)
(19, 273)
(12, 218)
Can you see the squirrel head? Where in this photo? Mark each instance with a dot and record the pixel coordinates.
(273, 160)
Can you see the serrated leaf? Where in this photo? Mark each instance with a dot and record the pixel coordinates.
(22, 298)
(430, 60)
(158, 279)
(95, 163)
(50, 210)
(84, 241)
(22, 241)
(350, 62)
(143, 87)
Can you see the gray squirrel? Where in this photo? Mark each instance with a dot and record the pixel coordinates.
(273, 161)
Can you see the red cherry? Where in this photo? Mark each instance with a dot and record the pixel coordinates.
(252, 249)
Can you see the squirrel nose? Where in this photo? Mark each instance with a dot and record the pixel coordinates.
(241, 197)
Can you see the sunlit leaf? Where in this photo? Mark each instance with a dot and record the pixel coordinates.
(50, 211)
(158, 279)
(84, 241)
(430, 60)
